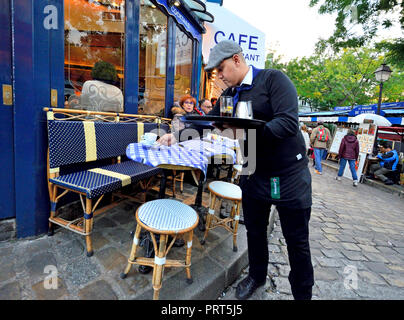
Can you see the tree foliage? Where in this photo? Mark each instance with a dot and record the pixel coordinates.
(369, 16)
(343, 79)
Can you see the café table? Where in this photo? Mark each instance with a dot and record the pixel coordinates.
(188, 155)
(193, 155)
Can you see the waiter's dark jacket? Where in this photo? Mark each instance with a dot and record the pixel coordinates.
(281, 151)
(282, 178)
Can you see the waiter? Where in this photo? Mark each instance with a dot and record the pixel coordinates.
(281, 176)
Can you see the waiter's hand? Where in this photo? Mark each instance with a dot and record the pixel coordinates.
(168, 139)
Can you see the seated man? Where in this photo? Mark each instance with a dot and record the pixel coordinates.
(388, 160)
(206, 106)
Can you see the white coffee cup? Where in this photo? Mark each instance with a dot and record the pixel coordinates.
(148, 138)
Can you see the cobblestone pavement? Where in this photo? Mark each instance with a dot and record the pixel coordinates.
(352, 229)
(27, 265)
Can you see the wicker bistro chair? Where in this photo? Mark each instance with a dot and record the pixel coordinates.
(86, 156)
(163, 217)
(237, 169)
(227, 191)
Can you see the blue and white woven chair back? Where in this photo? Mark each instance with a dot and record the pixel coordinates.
(83, 141)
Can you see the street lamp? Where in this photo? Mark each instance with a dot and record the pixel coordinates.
(382, 74)
(176, 3)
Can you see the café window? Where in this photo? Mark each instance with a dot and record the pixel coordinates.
(152, 59)
(183, 64)
(94, 54)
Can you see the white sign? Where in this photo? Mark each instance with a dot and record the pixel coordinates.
(228, 26)
(304, 118)
(336, 141)
(358, 166)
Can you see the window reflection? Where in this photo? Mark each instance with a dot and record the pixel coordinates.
(152, 59)
(94, 54)
(183, 64)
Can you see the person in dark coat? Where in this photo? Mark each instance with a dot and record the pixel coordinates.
(281, 176)
(187, 106)
(348, 152)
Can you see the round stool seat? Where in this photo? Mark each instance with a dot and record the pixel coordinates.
(167, 215)
(225, 189)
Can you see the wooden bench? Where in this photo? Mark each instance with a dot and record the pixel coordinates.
(87, 156)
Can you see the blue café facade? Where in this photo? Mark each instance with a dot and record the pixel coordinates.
(47, 50)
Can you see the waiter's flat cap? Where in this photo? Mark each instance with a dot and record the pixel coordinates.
(223, 50)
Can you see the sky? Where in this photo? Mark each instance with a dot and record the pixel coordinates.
(291, 27)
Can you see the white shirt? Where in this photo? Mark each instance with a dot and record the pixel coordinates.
(248, 79)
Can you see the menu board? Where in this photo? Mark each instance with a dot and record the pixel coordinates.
(336, 142)
(366, 137)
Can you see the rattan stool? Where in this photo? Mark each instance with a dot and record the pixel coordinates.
(228, 191)
(163, 217)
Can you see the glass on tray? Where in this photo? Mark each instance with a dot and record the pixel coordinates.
(226, 106)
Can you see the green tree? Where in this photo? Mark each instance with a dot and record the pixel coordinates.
(370, 16)
(343, 79)
(274, 62)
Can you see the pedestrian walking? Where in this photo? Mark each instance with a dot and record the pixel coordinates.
(306, 136)
(348, 152)
(320, 139)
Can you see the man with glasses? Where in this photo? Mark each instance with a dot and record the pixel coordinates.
(206, 106)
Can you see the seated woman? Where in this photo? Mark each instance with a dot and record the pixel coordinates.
(100, 94)
(187, 106)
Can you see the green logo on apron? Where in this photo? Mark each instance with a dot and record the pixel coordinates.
(275, 188)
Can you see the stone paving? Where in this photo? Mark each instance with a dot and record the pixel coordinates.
(357, 245)
(27, 265)
(356, 238)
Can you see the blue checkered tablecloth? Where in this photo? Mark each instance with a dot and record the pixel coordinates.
(173, 155)
(192, 153)
(209, 149)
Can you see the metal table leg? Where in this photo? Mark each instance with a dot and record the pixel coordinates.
(163, 184)
(198, 204)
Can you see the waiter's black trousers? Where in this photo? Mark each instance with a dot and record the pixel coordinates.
(295, 229)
